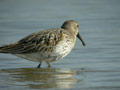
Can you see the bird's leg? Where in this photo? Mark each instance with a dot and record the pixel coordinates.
(48, 64)
(39, 65)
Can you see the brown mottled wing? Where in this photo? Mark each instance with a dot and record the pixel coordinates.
(37, 42)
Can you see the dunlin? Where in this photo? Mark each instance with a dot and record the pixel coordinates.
(47, 45)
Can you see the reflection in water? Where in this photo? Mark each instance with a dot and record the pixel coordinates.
(43, 78)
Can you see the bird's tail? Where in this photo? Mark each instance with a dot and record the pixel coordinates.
(12, 48)
(3, 49)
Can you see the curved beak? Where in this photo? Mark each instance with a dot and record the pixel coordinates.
(78, 35)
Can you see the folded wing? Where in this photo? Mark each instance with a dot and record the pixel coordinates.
(42, 41)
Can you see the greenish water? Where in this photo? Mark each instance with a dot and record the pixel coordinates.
(94, 67)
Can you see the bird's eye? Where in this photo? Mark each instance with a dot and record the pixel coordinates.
(77, 25)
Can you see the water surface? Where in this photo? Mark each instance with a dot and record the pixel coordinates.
(94, 67)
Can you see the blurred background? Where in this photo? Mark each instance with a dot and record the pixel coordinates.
(96, 66)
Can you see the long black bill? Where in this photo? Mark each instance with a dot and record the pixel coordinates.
(78, 35)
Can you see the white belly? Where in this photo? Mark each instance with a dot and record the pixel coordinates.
(64, 48)
(59, 51)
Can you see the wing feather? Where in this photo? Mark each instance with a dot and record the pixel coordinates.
(37, 42)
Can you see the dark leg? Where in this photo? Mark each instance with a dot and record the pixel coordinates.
(39, 65)
(48, 64)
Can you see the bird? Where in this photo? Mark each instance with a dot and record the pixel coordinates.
(46, 45)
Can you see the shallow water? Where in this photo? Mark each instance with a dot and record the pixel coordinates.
(94, 67)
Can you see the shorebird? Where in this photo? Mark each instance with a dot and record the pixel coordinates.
(47, 45)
